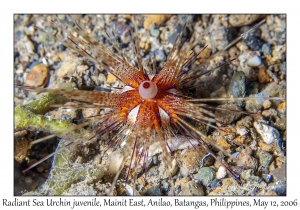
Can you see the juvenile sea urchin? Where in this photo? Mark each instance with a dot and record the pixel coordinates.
(151, 107)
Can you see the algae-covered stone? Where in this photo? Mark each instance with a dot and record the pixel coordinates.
(206, 175)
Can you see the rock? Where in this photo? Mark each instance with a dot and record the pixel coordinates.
(245, 122)
(226, 116)
(223, 143)
(193, 189)
(228, 133)
(245, 159)
(254, 61)
(266, 147)
(154, 32)
(266, 49)
(68, 65)
(263, 76)
(38, 76)
(154, 191)
(241, 130)
(253, 88)
(279, 173)
(82, 68)
(172, 170)
(111, 79)
(268, 133)
(191, 160)
(221, 173)
(253, 43)
(156, 19)
(216, 183)
(281, 107)
(242, 20)
(237, 87)
(257, 103)
(247, 174)
(267, 104)
(159, 55)
(241, 140)
(206, 175)
(89, 112)
(181, 182)
(268, 178)
(21, 146)
(114, 163)
(279, 187)
(264, 158)
(273, 89)
(102, 77)
(269, 113)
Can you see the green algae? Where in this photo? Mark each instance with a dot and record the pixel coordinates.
(64, 172)
(30, 116)
(61, 178)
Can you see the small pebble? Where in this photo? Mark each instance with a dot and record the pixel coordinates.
(159, 55)
(253, 43)
(254, 61)
(265, 158)
(253, 88)
(268, 133)
(111, 78)
(281, 107)
(154, 32)
(273, 89)
(216, 183)
(268, 178)
(221, 172)
(266, 49)
(241, 130)
(155, 159)
(226, 116)
(38, 76)
(223, 143)
(156, 19)
(154, 191)
(206, 175)
(245, 160)
(191, 160)
(102, 77)
(245, 122)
